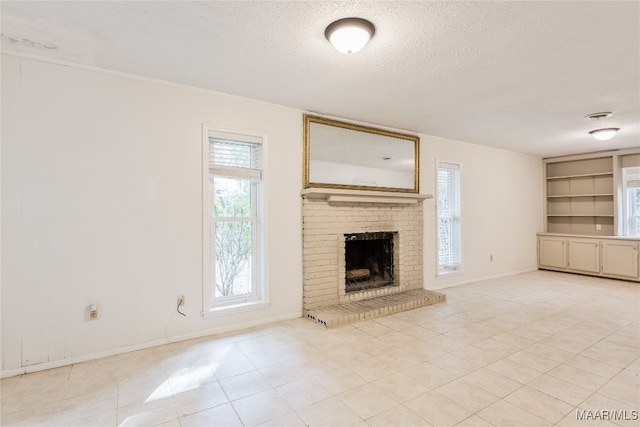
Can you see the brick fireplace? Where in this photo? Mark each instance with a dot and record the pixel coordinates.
(332, 220)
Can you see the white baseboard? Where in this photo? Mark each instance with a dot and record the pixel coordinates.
(126, 349)
(480, 279)
(11, 372)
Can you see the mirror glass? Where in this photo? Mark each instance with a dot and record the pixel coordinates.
(345, 155)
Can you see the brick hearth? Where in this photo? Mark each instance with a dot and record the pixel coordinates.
(341, 314)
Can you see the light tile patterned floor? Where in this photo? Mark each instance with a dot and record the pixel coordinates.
(534, 349)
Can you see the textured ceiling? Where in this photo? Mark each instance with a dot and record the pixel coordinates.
(513, 75)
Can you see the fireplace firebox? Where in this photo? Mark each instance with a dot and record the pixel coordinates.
(369, 260)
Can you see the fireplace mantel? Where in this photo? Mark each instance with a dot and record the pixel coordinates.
(339, 195)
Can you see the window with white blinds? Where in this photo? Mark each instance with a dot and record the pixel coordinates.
(233, 225)
(631, 201)
(233, 158)
(448, 209)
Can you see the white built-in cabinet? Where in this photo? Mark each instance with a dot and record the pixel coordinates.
(620, 258)
(615, 257)
(552, 252)
(584, 255)
(582, 206)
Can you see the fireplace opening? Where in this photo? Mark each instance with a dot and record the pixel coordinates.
(369, 260)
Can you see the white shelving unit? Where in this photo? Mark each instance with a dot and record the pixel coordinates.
(580, 196)
(582, 208)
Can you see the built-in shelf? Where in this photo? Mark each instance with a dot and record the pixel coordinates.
(581, 175)
(582, 212)
(581, 195)
(340, 195)
(586, 215)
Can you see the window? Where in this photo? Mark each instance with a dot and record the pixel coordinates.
(631, 201)
(448, 207)
(233, 232)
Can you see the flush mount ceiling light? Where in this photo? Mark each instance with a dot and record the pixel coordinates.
(349, 35)
(604, 134)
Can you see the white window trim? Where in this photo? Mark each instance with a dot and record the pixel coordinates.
(263, 302)
(625, 198)
(459, 270)
(226, 310)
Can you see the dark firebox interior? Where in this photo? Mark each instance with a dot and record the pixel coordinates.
(369, 261)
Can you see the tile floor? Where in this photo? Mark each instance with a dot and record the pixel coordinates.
(535, 349)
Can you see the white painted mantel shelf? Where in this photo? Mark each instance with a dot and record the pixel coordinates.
(339, 195)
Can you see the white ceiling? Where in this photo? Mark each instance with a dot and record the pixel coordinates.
(515, 75)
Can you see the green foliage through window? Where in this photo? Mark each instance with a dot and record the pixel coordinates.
(233, 236)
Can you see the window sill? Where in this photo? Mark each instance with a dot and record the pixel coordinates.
(443, 274)
(235, 309)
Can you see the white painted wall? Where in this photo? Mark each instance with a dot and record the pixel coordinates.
(101, 203)
(501, 210)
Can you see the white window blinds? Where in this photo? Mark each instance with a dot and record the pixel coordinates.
(449, 249)
(632, 177)
(235, 159)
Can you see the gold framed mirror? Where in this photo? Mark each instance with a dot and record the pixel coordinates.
(345, 155)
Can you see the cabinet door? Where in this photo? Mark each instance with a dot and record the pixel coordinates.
(620, 258)
(584, 255)
(552, 252)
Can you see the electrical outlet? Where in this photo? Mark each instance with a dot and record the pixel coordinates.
(181, 301)
(93, 312)
(491, 257)
(598, 227)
